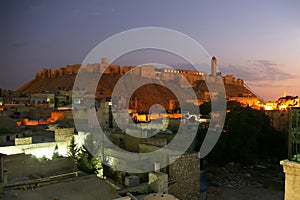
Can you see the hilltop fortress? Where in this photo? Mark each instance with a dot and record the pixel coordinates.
(147, 71)
(62, 79)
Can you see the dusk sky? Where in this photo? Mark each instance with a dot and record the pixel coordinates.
(258, 41)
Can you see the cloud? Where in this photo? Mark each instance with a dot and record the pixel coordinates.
(264, 73)
(266, 85)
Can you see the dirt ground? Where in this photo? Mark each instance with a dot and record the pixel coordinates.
(247, 193)
(235, 182)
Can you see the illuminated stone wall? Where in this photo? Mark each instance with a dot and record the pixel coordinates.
(292, 179)
(185, 176)
(246, 101)
(23, 141)
(63, 134)
(148, 71)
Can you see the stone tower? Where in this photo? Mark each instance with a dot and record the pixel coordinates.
(213, 66)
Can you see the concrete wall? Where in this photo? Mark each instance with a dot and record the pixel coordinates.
(39, 150)
(292, 179)
(185, 173)
(80, 114)
(9, 138)
(152, 145)
(279, 119)
(21, 165)
(132, 143)
(63, 134)
(23, 141)
(103, 115)
(158, 182)
(39, 99)
(93, 119)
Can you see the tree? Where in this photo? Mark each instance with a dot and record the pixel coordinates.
(232, 105)
(246, 136)
(73, 150)
(205, 108)
(55, 153)
(85, 161)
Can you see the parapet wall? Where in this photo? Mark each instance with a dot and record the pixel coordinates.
(21, 165)
(166, 74)
(230, 79)
(53, 73)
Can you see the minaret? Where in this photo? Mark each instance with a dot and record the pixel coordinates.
(213, 66)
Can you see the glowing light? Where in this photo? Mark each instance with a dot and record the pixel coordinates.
(282, 107)
(268, 107)
(55, 116)
(282, 103)
(47, 152)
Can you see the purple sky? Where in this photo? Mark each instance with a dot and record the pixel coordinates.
(258, 41)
